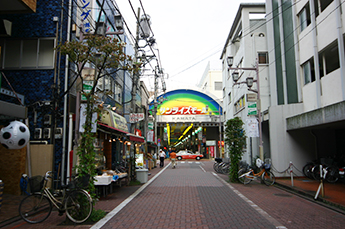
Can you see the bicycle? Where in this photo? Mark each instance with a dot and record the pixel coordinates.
(75, 202)
(264, 175)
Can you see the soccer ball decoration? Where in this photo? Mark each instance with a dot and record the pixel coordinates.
(14, 136)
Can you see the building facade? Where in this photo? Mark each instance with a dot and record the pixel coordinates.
(307, 81)
(246, 46)
(39, 86)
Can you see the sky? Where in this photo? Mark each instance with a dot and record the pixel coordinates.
(189, 34)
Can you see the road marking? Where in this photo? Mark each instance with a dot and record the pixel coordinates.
(251, 203)
(116, 210)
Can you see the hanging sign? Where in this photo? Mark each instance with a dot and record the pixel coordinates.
(136, 117)
(252, 108)
(252, 128)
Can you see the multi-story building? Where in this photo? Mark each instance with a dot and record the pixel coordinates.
(246, 46)
(38, 84)
(307, 81)
(211, 82)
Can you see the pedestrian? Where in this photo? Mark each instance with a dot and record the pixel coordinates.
(161, 158)
(173, 158)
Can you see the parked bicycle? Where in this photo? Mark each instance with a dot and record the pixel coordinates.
(75, 202)
(312, 170)
(221, 166)
(264, 175)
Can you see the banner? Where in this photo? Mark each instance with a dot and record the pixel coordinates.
(136, 117)
(252, 127)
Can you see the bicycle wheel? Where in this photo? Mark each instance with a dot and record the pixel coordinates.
(240, 172)
(307, 170)
(215, 166)
(226, 169)
(35, 208)
(248, 178)
(78, 206)
(332, 175)
(268, 178)
(316, 172)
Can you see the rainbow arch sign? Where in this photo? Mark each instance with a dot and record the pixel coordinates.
(184, 105)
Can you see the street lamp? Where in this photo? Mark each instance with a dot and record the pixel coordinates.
(249, 81)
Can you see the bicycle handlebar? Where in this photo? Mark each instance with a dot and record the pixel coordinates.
(47, 176)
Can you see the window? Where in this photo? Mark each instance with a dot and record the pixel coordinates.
(321, 5)
(27, 54)
(308, 71)
(304, 17)
(240, 104)
(263, 57)
(329, 60)
(118, 93)
(229, 98)
(218, 85)
(324, 4)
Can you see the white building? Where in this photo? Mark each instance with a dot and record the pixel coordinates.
(246, 44)
(211, 82)
(307, 81)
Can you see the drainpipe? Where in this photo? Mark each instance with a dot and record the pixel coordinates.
(341, 47)
(65, 101)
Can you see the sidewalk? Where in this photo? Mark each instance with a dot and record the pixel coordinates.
(9, 215)
(334, 197)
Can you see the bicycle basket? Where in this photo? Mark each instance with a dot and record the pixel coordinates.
(267, 167)
(36, 183)
(218, 160)
(82, 182)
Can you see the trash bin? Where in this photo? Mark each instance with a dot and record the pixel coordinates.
(142, 175)
(1, 192)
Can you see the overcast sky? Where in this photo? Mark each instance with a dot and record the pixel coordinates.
(189, 34)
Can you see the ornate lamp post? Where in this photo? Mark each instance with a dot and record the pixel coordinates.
(249, 81)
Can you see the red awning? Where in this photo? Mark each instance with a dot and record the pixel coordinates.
(135, 138)
(111, 128)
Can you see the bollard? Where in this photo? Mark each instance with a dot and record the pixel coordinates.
(1, 192)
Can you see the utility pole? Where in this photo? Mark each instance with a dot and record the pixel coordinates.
(155, 103)
(135, 76)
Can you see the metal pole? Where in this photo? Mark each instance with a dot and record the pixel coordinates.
(220, 135)
(261, 149)
(135, 76)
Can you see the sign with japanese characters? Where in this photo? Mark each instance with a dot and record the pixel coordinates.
(186, 103)
(85, 14)
(136, 117)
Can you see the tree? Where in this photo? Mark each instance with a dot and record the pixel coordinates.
(106, 55)
(235, 139)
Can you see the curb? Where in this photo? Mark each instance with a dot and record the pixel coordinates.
(321, 201)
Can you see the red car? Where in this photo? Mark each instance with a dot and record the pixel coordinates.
(186, 154)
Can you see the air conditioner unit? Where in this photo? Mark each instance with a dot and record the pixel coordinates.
(46, 133)
(58, 133)
(47, 119)
(38, 133)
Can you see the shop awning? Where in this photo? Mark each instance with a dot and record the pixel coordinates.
(110, 128)
(135, 138)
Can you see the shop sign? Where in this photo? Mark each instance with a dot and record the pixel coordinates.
(210, 142)
(150, 125)
(136, 117)
(87, 87)
(252, 108)
(252, 127)
(113, 119)
(150, 136)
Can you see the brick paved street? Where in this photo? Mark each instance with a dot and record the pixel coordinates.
(193, 196)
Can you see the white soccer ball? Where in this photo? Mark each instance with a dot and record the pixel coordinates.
(15, 136)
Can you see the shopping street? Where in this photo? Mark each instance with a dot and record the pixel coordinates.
(193, 196)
